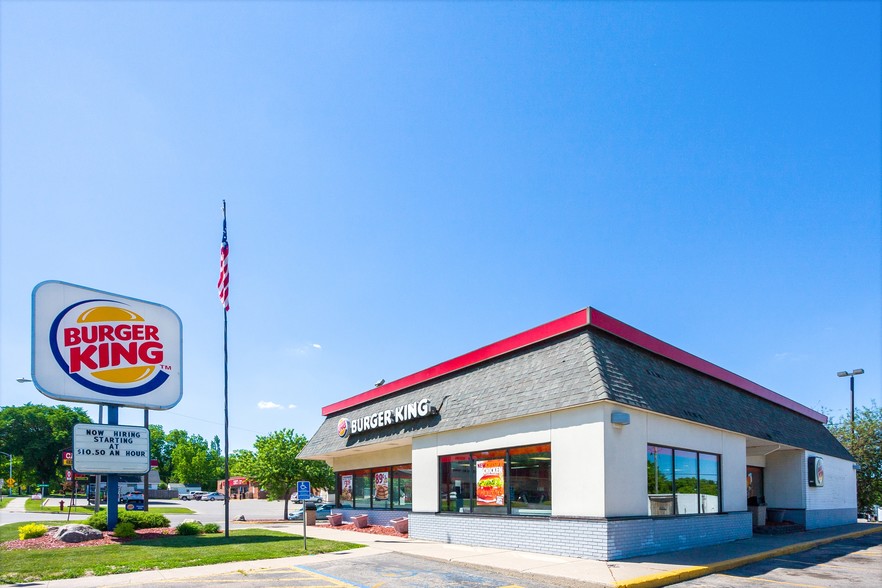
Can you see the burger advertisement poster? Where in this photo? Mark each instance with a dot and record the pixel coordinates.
(381, 486)
(491, 482)
(346, 487)
(101, 348)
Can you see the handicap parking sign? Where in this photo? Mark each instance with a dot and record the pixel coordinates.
(303, 490)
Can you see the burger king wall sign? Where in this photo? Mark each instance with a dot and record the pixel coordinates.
(101, 348)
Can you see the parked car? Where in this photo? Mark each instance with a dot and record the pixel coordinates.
(212, 496)
(321, 513)
(192, 495)
(132, 494)
(315, 499)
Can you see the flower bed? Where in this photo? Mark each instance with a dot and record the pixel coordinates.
(372, 529)
(47, 541)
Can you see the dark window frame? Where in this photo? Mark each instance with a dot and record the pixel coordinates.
(339, 503)
(698, 473)
(473, 458)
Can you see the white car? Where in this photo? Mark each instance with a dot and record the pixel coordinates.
(192, 495)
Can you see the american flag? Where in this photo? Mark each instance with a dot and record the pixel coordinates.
(223, 283)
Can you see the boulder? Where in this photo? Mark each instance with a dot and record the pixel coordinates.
(77, 533)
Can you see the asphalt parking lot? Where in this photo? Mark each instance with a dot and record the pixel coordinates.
(388, 570)
(855, 562)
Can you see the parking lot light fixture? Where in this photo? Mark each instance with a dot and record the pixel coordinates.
(850, 376)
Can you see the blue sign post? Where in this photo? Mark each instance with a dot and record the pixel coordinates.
(303, 493)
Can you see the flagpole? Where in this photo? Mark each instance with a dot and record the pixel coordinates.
(226, 437)
(223, 288)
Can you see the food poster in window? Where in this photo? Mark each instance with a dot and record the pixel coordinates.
(381, 486)
(491, 482)
(346, 487)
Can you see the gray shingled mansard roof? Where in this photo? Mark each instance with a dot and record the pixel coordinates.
(583, 366)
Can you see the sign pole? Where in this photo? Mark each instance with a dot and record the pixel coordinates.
(147, 475)
(112, 479)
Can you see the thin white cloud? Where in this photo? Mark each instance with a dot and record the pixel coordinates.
(303, 349)
(265, 404)
(292, 406)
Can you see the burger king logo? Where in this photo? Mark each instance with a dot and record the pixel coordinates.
(108, 348)
(93, 346)
(343, 427)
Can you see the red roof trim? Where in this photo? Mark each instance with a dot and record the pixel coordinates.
(640, 339)
(570, 322)
(519, 341)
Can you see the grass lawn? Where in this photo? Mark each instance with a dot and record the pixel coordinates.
(4, 501)
(32, 565)
(37, 506)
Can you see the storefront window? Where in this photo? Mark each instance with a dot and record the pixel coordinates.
(456, 483)
(660, 472)
(709, 482)
(513, 481)
(681, 481)
(490, 475)
(402, 487)
(530, 480)
(362, 488)
(379, 488)
(686, 474)
(345, 494)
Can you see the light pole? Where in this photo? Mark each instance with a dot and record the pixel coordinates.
(9, 455)
(851, 376)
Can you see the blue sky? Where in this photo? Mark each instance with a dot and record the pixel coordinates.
(408, 181)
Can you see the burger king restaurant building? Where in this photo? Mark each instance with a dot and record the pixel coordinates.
(583, 437)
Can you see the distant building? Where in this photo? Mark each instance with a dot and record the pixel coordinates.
(241, 488)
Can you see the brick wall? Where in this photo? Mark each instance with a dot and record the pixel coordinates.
(602, 539)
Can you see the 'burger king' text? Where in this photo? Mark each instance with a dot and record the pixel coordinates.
(99, 346)
(407, 412)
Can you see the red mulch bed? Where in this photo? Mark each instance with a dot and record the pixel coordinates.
(372, 529)
(47, 541)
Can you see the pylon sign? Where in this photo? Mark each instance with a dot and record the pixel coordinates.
(95, 347)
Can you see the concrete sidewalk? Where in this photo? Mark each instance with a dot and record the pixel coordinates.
(644, 572)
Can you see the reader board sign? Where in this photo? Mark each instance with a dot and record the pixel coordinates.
(100, 348)
(110, 449)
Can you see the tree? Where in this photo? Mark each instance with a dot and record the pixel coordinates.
(38, 434)
(160, 450)
(275, 467)
(866, 448)
(193, 462)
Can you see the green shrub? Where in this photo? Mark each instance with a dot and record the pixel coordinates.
(189, 529)
(124, 530)
(138, 519)
(31, 530)
(211, 528)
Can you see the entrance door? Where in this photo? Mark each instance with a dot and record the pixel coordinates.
(755, 493)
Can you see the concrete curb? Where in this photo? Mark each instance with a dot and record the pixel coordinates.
(692, 572)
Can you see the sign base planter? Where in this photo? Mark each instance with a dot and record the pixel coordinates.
(361, 521)
(399, 525)
(335, 520)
